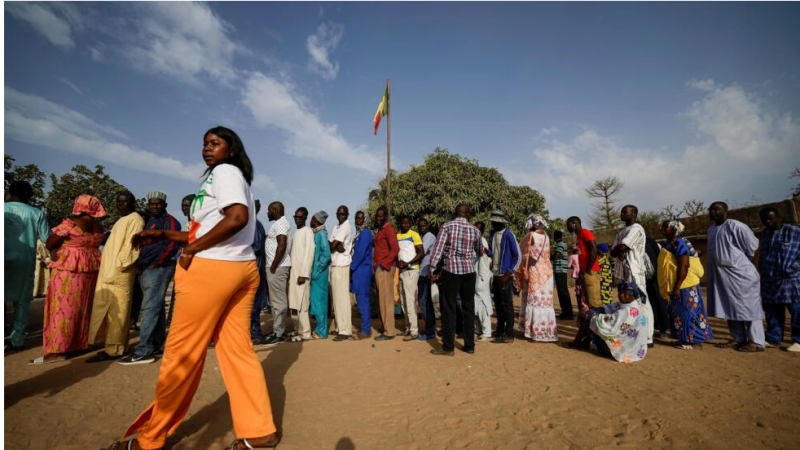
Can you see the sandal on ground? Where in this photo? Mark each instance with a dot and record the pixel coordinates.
(102, 356)
(128, 445)
(39, 360)
(729, 344)
(682, 346)
(247, 444)
(411, 337)
(750, 348)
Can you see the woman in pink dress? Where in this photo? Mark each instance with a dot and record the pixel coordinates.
(75, 262)
(534, 278)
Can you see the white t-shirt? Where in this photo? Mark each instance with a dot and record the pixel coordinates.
(344, 234)
(225, 186)
(279, 228)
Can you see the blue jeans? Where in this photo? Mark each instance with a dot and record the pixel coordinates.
(426, 305)
(776, 319)
(261, 300)
(153, 327)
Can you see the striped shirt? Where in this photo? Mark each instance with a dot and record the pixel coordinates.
(457, 244)
(560, 256)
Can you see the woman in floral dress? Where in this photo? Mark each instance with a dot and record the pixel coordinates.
(73, 275)
(534, 278)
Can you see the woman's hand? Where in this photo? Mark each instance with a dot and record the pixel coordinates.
(147, 237)
(675, 295)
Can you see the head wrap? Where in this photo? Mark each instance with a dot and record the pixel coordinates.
(535, 220)
(189, 197)
(89, 205)
(603, 248)
(321, 217)
(631, 288)
(157, 194)
(675, 224)
(498, 216)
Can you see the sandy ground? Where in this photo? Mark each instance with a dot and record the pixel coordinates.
(393, 395)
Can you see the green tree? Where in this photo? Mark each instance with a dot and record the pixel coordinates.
(82, 180)
(433, 189)
(29, 173)
(650, 217)
(605, 213)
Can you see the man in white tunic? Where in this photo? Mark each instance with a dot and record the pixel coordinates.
(341, 241)
(483, 290)
(629, 251)
(111, 310)
(733, 281)
(302, 254)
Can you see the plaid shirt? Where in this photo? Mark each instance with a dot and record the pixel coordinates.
(779, 262)
(457, 244)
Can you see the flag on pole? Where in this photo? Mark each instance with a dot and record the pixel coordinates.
(383, 109)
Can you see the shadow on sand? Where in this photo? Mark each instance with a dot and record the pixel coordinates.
(214, 421)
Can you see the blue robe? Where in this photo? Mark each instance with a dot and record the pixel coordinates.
(361, 267)
(319, 282)
(780, 265)
(733, 282)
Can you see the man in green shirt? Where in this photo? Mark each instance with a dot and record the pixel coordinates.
(24, 225)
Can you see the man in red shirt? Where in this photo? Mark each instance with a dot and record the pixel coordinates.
(383, 265)
(590, 274)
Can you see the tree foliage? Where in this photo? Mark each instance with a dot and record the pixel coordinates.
(605, 214)
(650, 217)
(29, 173)
(82, 180)
(433, 189)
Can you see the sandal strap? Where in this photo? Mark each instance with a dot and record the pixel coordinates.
(115, 446)
(247, 444)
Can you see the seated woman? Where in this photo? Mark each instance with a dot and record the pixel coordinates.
(618, 330)
(679, 272)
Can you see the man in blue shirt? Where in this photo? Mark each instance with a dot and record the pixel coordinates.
(157, 265)
(779, 264)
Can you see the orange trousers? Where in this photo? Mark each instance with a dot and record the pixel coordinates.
(214, 300)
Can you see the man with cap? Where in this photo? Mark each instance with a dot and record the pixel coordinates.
(157, 266)
(319, 275)
(504, 251)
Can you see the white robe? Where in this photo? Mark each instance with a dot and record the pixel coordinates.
(483, 291)
(634, 238)
(302, 257)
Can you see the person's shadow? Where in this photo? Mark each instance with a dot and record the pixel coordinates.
(345, 444)
(214, 421)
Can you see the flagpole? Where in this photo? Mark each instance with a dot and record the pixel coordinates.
(388, 149)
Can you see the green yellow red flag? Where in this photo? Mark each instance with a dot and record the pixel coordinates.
(383, 109)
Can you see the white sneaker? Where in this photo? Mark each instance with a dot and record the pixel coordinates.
(794, 347)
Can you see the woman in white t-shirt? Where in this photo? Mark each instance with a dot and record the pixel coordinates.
(215, 286)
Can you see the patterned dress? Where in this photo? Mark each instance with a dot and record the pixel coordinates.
(607, 279)
(687, 314)
(537, 318)
(73, 277)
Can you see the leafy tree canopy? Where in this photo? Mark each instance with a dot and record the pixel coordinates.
(433, 189)
(82, 180)
(29, 173)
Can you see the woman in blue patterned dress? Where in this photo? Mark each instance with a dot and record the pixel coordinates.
(679, 273)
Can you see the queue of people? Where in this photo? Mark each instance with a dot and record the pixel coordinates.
(227, 269)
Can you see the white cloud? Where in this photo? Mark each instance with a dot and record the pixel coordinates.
(57, 22)
(275, 103)
(184, 40)
(70, 84)
(743, 148)
(703, 85)
(320, 45)
(34, 120)
(96, 54)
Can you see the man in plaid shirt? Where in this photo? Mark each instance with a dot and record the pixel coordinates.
(457, 245)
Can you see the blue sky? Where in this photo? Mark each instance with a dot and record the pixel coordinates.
(680, 100)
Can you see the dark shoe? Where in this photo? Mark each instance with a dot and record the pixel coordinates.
(363, 336)
(383, 337)
(503, 340)
(102, 356)
(426, 338)
(342, 337)
(750, 348)
(272, 340)
(134, 359)
(470, 351)
(259, 341)
(651, 345)
(561, 317)
(403, 334)
(442, 352)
